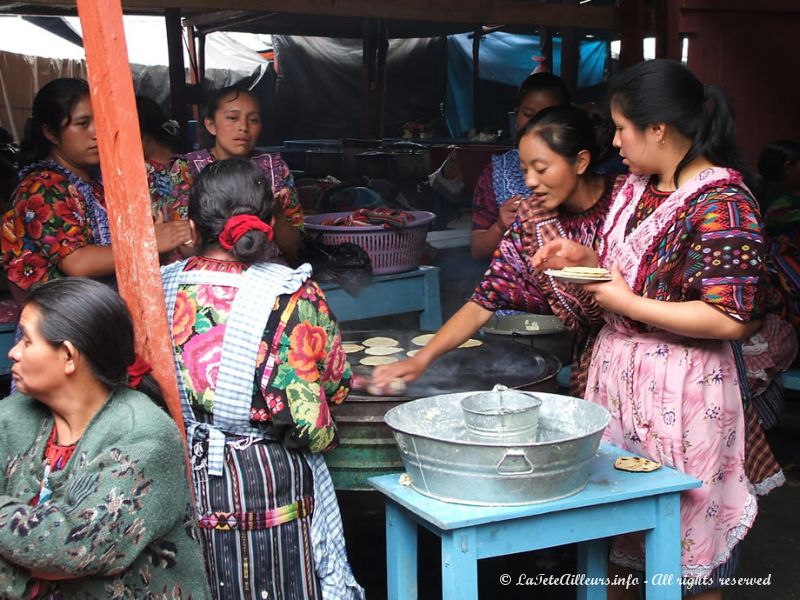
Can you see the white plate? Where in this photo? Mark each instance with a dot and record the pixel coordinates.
(571, 278)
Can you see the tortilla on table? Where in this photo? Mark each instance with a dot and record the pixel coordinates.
(382, 350)
(374, 361)
(471, 343)
(351, 348)
(635, 464)
(380, 341)
(421, 340)
(412, 352)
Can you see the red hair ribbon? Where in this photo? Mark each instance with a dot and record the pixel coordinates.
(237, 226)
(137, 370)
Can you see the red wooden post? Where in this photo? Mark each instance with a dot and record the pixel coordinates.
(127, 194)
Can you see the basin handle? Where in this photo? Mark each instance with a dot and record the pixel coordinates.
(514, 467)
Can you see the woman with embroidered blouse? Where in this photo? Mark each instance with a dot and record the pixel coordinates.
(260, 362)
(233, 119)
(58, 224)
(684, 244)
(559, 151)
(94, 497)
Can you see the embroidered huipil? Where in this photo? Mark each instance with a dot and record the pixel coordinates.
(54, 214)
(185, 169)
(673, 399)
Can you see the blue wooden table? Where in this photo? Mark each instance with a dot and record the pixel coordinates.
(613, 502)
(410, 291)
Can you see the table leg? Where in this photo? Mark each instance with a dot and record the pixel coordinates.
(401, 554)
(593, 562)
(430, 319)
(460, 565)
(663, 550)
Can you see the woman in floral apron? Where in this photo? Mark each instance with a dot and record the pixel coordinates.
(684, 243)
(259, 361)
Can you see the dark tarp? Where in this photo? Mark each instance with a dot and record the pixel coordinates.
(319, 92)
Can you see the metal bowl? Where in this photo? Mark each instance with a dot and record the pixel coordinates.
(447, 462)
(505, 414)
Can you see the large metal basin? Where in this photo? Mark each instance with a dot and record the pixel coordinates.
(449, 463)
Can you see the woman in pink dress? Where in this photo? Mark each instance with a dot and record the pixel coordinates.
(684, 244)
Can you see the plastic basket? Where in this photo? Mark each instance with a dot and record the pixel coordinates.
(390, 250)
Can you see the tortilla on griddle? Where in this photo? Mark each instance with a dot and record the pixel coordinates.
(380, 341)
(382, 350)
(421, 340)
(471, 343)
(374, 361)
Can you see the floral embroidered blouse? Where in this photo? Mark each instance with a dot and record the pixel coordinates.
(311, 371)
(186, 168)
(50, 220)
(162, 199)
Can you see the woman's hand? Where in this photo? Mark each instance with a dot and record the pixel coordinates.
(561, 253)
(615, 295)
(406, 370)
(508, 212)
(171, 235)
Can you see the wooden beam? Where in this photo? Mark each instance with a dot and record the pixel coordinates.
(632, 25)
(126, 191)
(177, 72)
(570, 58)
(476, 79)
(379, 84)
(745, 6)
(368, 52)
(668, 35)
(520, 12)
(546, 46)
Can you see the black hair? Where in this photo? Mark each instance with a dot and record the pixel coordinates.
(154, 122)
(96, 320)
(568, 129)
(227, 188)
(544, 83)
(52, 108)
(775, 157)
(216, 98)
(664, 91)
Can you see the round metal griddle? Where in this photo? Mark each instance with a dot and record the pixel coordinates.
(464, 369)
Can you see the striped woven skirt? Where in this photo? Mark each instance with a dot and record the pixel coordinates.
(255, 521)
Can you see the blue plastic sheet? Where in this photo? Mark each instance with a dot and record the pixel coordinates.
(507, 58)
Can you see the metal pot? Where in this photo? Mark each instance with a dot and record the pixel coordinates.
(502, 414)
(373, 164)
(409, 161)
(324, 161)
(446, 462)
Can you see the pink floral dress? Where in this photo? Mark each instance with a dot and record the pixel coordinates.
(673, 399)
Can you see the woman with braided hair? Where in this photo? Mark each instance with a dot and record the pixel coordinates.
(259, 361)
